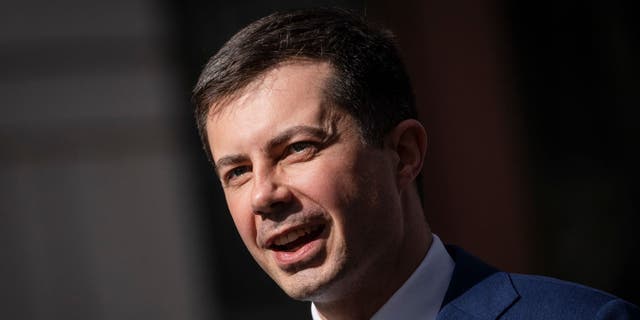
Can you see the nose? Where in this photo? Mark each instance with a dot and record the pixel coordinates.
(269, 196)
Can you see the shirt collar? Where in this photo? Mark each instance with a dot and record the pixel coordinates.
(422, 294)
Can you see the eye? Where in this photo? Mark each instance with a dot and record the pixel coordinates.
(236, 172)
(300, 151)
(298, 147)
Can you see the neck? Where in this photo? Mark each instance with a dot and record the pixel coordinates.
(364, 298)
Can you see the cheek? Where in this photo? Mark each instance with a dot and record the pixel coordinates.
(325, 179)
(243, 218)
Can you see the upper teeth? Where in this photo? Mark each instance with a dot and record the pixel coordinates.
(293, 235)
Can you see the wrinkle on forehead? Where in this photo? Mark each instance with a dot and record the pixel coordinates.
(266, 81)
(327, 116)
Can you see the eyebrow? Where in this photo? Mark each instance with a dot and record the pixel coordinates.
(293, 131)
(281, 138)
(228, 161)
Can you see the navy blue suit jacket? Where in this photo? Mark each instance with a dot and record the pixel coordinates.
(478, 291)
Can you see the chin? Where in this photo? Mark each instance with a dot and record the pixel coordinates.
(305, 285)
(314, 284)
(305, 293)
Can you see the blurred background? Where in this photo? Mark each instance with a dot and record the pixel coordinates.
(109, 209)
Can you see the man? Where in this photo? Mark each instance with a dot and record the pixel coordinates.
(309, 120)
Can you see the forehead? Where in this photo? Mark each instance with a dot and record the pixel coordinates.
(290, 79)
(288, 95)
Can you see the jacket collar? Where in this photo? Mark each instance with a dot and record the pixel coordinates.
(476, 290)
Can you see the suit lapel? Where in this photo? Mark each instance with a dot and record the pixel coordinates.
(477, 290)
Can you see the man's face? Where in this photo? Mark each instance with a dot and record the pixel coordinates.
(316, 207)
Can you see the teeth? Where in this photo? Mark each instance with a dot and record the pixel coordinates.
(293, 235)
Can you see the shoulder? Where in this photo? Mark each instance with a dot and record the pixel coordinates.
(479, 291)
(547, 288)
(544, 297)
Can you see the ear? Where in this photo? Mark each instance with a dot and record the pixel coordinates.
(408, 140)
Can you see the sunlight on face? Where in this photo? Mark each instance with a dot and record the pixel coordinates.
(313, 204)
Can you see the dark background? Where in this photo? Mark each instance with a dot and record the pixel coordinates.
(109, 209)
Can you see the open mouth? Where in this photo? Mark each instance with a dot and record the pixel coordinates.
(293, 240)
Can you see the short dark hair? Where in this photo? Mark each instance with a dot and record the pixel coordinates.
(369, 80)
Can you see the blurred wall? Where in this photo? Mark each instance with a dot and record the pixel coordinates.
(532, 114)
(575, 70)
(475, 194)
(109, 209)
(96, 201)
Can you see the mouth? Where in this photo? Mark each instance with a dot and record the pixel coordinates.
(300, 247)
(292, 240)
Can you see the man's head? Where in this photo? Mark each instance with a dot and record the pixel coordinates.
(308, 118)
(369, 80)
